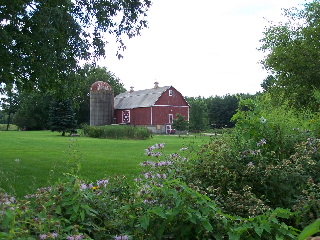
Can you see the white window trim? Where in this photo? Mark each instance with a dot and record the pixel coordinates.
(170, 92)
(170, 118)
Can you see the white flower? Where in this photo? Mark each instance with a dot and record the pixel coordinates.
(263, 119)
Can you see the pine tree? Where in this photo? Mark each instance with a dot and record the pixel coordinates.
(62, 117)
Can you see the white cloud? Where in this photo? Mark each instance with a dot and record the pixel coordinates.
(203, 48)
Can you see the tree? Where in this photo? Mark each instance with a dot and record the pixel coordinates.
(180, 123)
(10, 102)
(88, 75)
(293, 55)
(198, 113)
(42, 42)
(221, 110)
(33, 110)
(62, 117)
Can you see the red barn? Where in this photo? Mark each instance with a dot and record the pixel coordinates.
(153, 108)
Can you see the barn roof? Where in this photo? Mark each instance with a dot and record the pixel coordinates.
(137, 99)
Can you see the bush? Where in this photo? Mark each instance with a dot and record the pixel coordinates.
(158, 206)
(3, 127)
(116, 132)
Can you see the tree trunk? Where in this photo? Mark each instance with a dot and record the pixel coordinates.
(8, 123)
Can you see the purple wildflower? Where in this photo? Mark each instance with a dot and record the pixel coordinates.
(149, 201)
(54, 235)
(124, 237)
(103, 182)
(79, 237)
(43, 236)
(147, 163)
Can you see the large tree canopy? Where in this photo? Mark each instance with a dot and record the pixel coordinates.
(42, 41)
(293, 56)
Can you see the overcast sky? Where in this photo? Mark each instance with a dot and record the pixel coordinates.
(202, 48)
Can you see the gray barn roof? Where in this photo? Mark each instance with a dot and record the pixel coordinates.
(137, 99)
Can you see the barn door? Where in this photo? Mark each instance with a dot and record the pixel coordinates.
(126, 116)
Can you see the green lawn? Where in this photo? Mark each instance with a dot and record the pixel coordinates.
(29, 160)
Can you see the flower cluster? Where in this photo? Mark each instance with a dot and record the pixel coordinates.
(123, 237)
(76, 237)
(99, 184)
(40, 191)
(156, 164)
(150, 150)
(49, 236)
(151, 175)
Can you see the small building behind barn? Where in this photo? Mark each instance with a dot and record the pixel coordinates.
(153, 108)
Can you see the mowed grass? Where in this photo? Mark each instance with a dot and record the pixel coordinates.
(30, 160)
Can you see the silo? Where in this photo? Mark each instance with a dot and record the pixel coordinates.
(101, 104)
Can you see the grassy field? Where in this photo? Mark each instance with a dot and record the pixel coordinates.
(29, 160)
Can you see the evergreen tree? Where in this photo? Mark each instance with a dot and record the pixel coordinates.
(62, 117)
(180, 123)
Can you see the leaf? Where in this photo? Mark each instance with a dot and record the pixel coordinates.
(75, 207)
(144, 220)
(309, 230)
(266, 226)
(158, 211)
(234, 236)
(58, 210)
(258, 230)
(208, 226)
(82, 215)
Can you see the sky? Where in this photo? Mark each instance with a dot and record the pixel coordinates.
(202, 48)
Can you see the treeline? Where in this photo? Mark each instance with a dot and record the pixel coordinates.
(214, 112)
(39, 110)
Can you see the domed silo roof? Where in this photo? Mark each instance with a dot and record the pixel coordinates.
(100, 86)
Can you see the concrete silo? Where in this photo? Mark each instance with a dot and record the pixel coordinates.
(101, 104)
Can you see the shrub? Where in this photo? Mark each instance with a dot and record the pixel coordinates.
(158, 206)
(3, 127)
(116, 132)
(278, 129)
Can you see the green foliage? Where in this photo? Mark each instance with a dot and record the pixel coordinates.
(9, 104)
(198, 114)
(42, 42)
(311, 229)
(221, 110)
(62, 117)
(33, 111)
(292, 56)
(86, 76)
(116, 132)
(157, 207)
(273, 131)
(70, 208)
(3, 127)
(180, 123)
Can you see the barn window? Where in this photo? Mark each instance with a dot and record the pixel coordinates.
(170, 92)
(170, 118)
